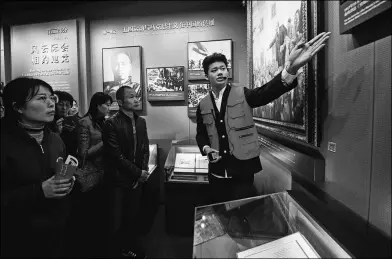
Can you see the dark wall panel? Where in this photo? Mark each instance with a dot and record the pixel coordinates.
(380, 195)
(348, 115)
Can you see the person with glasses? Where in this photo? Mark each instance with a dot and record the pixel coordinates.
(34, 205)
(65, 125)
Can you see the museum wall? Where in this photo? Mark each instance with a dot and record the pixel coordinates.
(357, 117)
(168, 48)
(356, 105)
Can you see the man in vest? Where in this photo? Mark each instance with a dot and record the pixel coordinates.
(226, 132)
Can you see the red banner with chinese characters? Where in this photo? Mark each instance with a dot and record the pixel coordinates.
(47, 51)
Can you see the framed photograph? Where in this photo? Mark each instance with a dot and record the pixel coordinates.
(197, 51)
(165, 84)
(122, 66)
(273, 29)
(196, 92)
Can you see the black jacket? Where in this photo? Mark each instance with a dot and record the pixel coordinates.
(70, 138)
(123, 166)
(24, 166)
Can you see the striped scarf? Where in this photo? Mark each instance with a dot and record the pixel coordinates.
(35, 132)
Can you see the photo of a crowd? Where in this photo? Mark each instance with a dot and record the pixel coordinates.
(197, 51)
(277, 28)
(165, 79)
(196, 92)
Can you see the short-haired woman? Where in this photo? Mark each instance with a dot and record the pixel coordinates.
(34, 206)
(89, 210)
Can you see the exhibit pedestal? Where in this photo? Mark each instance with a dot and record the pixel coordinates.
(183, 191)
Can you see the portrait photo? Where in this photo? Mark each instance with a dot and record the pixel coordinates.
(197, 51)
(122, 66)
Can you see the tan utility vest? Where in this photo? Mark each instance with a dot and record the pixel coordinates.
(240, 127)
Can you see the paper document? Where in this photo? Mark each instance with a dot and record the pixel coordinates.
(185, 162)
(292, 246)
(201, 164)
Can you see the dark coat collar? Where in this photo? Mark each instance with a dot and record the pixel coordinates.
(122, 114)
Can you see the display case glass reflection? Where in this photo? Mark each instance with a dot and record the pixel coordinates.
(247, 228)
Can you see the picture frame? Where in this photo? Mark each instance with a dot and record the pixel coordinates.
(122, 66)
(196, 92)
(198, 50)
(165, 83)
(294, 115)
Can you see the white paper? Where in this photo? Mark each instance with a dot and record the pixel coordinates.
(292, 246)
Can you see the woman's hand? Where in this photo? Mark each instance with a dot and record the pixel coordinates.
(59, 125)
(57, 188)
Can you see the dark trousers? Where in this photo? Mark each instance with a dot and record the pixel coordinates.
(227, 189)
(124, 210)
(87, 226)
(36, 239)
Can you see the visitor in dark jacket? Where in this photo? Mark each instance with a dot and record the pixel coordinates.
(64, 124)
(34, 206)
(126, 155)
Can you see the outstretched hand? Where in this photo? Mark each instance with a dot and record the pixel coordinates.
(303, 52)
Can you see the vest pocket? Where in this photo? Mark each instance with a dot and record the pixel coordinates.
(208, 121)
(207, 117)
(249, 146)
(236, 114)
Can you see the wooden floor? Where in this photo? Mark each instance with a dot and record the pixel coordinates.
(158, 244)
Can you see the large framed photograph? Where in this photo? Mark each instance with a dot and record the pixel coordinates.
(196, 92)
(122, 66)
(165, 84)
(274, 28)
(197, 51)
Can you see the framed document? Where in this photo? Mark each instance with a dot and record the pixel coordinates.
(198, 50)
(165, 84)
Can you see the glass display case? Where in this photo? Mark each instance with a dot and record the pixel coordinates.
(269, 226)
(186, 186)
(184, 163)
(153, 160)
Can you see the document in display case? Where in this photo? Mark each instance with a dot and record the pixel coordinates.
(185, 162)
(291, 246)
(186, 186)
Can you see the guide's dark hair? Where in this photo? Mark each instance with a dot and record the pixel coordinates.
(20, 91)
(214, 57)
(98, 98)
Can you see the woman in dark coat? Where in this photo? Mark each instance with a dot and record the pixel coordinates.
(34, 206)
(88, 215)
